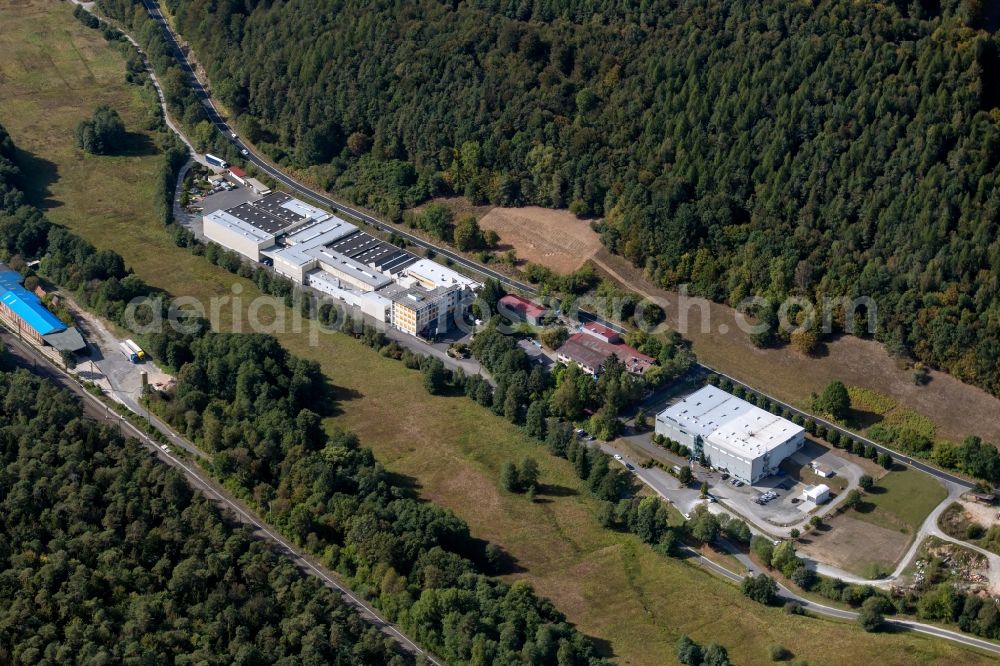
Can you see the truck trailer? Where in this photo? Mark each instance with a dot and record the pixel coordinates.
(135, 349)
(217, 161)
(127, 351)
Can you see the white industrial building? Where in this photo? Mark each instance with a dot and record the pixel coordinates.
(734, 436)
(255, 226)
(319, 250)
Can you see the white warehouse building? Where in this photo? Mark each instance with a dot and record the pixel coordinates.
(734, 436)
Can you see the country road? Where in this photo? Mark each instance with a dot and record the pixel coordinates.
(261, 163)
(662, 483)
(264, 165)
(27, 356)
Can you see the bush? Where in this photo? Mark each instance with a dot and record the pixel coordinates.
(779, 653)
(101, 134)
(866, 482)
(870, 616)
(761, 588)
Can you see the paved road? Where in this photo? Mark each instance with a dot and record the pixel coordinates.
(669, 489)
(29, 357)
(216, 119)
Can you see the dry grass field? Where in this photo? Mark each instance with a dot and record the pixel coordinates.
(855, 545)
(956, 409)
(553, 238)
(632, 601)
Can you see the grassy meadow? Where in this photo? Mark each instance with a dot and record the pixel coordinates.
(632, 601)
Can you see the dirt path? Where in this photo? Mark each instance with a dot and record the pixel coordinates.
(956, 408)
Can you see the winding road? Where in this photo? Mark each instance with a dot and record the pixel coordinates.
(218, 494)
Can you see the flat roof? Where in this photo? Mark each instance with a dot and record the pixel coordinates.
(239, 225)
(26, 305)
(260, 218)
(411, 294)
(705, 410)
(257, 185)
(297, 251)
(303, 209)
(434, 273)
(754, 432)
(336, 261)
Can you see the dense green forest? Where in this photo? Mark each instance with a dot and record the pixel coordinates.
(823, 148)
(257, 409)
(107, 556)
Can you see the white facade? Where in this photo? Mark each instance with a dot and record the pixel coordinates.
(431, 274)
(751, 445)
(233, 233)
(369, 302)
(816, 494)
(734, 436)
(691, 420)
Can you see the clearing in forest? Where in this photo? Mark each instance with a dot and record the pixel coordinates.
(553, 238)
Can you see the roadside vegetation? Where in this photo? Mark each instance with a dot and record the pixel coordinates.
(477, 129)
(448, 447)
(110, 556)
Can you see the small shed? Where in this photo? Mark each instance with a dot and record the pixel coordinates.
(238, 174)
(816, 494)
(821, 470)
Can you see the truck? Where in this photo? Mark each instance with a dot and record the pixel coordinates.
(217, 161)
(129, 354)
(135, 349)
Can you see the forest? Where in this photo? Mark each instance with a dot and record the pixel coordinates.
(108, 556)
(257, 410)
(811, 149)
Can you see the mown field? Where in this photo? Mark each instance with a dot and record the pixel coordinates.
(617, 590)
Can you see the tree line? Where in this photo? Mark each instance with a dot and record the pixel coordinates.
(257, 410)
(109, 556)
(773, 149)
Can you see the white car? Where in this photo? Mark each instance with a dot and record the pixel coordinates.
(618, 456)
(232, 134)
(244, 152)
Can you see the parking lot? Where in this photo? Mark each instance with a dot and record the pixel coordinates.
(777, 499)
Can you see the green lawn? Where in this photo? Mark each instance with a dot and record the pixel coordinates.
(633, 601)
(901, 500)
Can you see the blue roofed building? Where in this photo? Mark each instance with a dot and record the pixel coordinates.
(21, 310)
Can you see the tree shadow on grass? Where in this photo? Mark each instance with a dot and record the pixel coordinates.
(137, 144)
(552, 490)
(37, 175)
(860, 419)
(334, 396)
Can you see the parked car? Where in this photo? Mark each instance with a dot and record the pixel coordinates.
(618, 456)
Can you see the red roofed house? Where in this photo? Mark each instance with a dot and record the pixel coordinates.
(590, 352)
(515, 307)
(601, 332)
(238, 174)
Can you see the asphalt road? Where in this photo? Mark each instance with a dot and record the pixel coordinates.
(26, 356)
(667, 489)
(216, 119)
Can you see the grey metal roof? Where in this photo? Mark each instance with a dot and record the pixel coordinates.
(68, 340)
